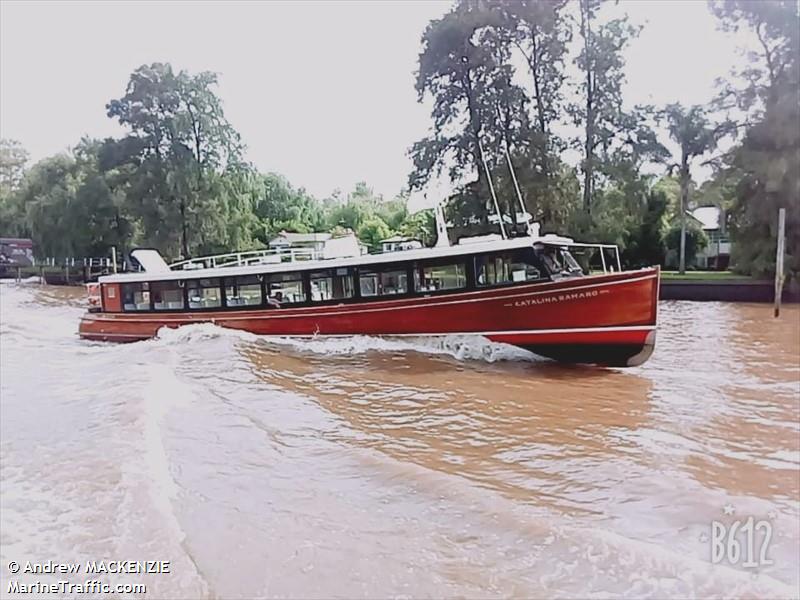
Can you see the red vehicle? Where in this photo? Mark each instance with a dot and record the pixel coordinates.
(525, 291)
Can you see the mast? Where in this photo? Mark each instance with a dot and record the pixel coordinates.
(491, 189)
(533, 231)
(442, 241)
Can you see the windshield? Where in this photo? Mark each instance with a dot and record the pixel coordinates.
(559, 261)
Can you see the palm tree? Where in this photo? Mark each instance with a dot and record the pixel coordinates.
(695, 135)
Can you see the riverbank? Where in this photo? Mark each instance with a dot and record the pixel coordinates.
(722, 286)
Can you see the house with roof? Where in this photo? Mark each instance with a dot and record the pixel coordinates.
(311, 246)
(716, 255)
(399, 242)
(286, 240)
(16, 252)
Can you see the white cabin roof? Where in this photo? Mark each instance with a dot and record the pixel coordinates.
(355, 261)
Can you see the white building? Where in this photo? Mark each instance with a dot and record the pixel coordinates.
(399, 242)
(717, 254)
(312, 246)
(312, 241)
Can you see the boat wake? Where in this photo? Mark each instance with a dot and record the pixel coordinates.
(460, 347)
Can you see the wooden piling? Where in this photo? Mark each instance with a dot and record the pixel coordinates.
(779, 260)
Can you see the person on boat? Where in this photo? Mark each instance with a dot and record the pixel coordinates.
(275, 300)
(550, 259)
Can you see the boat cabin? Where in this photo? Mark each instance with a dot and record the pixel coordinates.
(255, 282)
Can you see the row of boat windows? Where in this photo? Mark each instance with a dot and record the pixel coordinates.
(286, 289)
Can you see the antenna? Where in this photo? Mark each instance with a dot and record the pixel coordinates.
(442, 241)
(491, 189)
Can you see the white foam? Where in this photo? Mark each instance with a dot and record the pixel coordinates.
(460, 347)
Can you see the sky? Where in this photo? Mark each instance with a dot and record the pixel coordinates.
(321, 92)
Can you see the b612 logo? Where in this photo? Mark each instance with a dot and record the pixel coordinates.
(743, 543)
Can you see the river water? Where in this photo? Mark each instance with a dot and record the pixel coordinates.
(367, 467)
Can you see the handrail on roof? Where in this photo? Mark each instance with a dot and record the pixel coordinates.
(280, 255)
(251, 257)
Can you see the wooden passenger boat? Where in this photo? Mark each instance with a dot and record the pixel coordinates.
(525, 291)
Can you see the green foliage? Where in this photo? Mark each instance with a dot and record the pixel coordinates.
(69, 207)
(696, 240)
(13, 159)
(180, 151)
(765, 166)
(467, 67)
(648, 244)
(280, 207)
(614, 142)
(420, 226)
(372, 231)
(177, 180)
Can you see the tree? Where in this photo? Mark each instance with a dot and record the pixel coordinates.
(420, 226)
(477, 108)
(281, 207)
(13, 158)
(648, 245)
(692, 131)
(179, 149)
(70, 209)
(372, 231)
(766, 164)
(691, 237)
(600, 111)
(539, 30)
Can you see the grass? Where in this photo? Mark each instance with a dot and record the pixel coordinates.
(704, 276)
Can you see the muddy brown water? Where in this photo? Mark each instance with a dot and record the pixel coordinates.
(364, 467)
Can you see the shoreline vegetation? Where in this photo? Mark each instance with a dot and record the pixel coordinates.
(496, 74)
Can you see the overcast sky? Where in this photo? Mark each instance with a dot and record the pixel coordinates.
(321, 92)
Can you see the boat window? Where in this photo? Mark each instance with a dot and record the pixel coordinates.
(167, 295)
(333, 284)
(502, 268)
(285, 288)
(136, 296)
(432, 278)
(204, 293)
(558, 260)
(243, 291)
(383, 283)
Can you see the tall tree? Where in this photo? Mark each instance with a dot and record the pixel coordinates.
(180, 145)
(13, 158)
(70, 209)
(541, 32)
(766, 164)
(691, 129)
(477, 108)
(602, 66)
